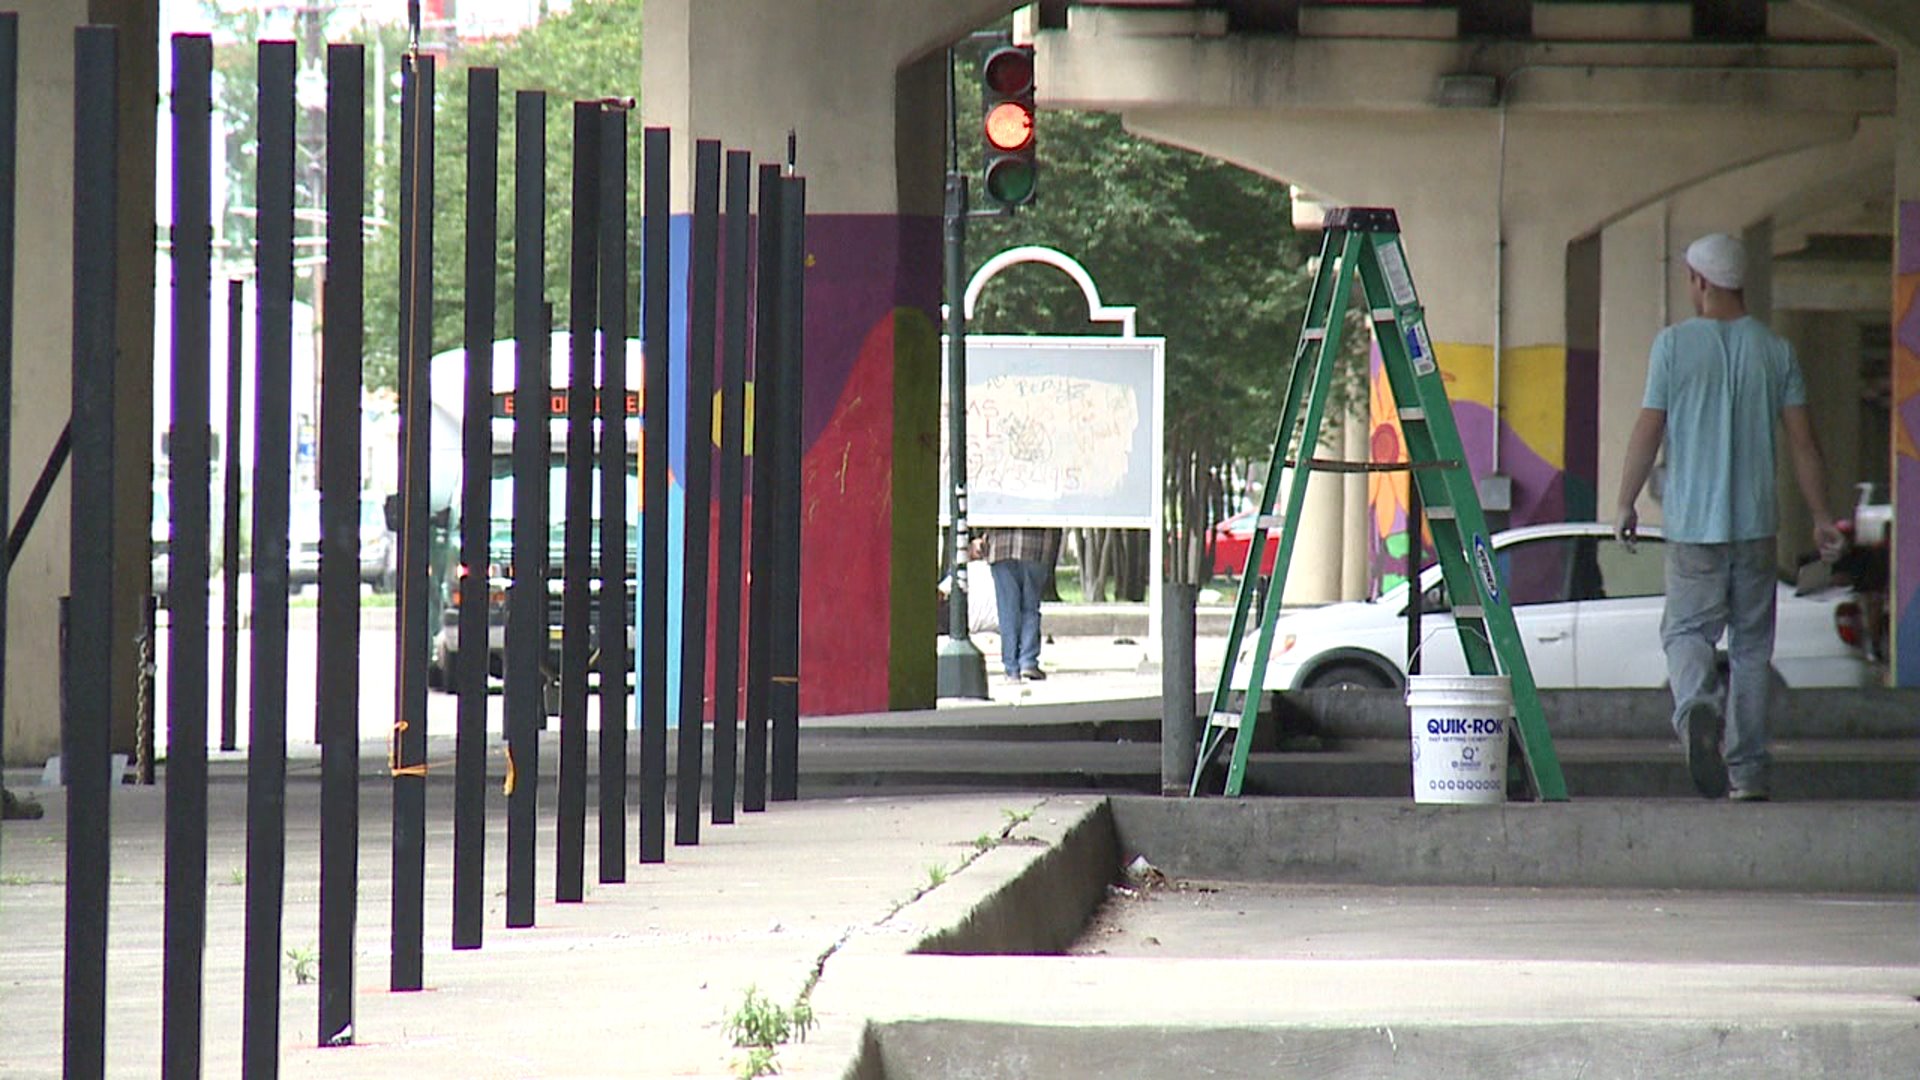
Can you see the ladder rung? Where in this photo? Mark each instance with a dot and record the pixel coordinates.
(1469, 611)
(1269, 521)
(1383, 314)
(1314, 333)
(1230, 720)
(1440, 513)
(1413, 412)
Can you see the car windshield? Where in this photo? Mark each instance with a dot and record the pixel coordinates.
(500, 524)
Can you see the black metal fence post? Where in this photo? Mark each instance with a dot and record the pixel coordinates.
(735, 260)
(343, 348)
(469, 676)
(85, 736)
(764, 483)
(570, 847)
(656, 257)
(230, 529)
(267, 749)
(9, 125)
(616, 558)
(785, 658)
(416, 347)
(188, 552)
(697, 477)
(527, 595)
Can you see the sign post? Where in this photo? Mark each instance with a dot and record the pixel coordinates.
(1064, 431)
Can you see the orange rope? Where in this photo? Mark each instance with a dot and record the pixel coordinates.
(410, 361)
(394, 768)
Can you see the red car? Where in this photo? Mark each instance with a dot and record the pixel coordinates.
(1231, 539)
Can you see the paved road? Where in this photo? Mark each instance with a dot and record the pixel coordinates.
(1084, 668)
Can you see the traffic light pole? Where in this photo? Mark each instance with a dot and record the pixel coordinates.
(962, 670)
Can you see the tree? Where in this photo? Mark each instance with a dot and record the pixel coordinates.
(591, 52)
(1209, 254)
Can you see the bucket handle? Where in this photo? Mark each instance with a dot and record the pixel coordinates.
(1448, 629)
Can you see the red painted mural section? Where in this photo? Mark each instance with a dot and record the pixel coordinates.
(847, 540)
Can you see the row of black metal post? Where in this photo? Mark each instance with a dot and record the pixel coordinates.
(718, 336)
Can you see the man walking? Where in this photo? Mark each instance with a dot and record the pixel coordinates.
(1716, 385)
(1020, 559)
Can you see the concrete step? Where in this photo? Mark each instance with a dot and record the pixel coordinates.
(1803, 769)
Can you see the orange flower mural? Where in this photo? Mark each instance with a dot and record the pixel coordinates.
(1386, 491)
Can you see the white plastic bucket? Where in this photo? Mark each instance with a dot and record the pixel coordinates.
(1459, 725)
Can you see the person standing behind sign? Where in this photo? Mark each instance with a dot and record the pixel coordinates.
(1019, 559)
(1716, 384)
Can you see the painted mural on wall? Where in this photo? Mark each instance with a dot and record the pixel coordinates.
(1906, 453)
(1533, 442)
(869, 399)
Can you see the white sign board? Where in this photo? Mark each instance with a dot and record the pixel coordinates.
(1063, 431)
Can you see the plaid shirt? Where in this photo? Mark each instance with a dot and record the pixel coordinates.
(1029, 544)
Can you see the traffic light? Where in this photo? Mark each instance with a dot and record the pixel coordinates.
(1006, 80)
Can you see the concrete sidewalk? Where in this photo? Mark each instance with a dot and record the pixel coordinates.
(920, 928)
(635, 981)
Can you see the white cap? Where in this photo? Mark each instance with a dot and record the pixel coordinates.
(1719, 258)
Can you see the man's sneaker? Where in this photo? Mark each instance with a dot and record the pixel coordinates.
(1705, 726)
(1034, 674)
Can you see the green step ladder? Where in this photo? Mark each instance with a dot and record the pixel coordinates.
(1366, 241)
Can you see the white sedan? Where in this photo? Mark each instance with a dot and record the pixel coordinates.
(1588, 610)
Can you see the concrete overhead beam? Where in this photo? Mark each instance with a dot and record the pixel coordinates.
(1116, 73)
(1819, 286)
(1893, 22)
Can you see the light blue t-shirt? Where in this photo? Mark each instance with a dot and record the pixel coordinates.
(1722, 384)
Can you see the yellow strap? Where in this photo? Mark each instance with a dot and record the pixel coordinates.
(394, 768)
(511, 774)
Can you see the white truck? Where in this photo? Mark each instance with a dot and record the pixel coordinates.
(448, 397)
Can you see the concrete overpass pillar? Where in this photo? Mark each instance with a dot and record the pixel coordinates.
(1904, 601)
(1897, 24)
(862, 82)
(1494, 203)
(1635, 304)
(43, 354)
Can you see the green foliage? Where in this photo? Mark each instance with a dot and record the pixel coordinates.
(759, 1061)
(761, 1026)
(590, 52)
(302, 959)
(1206, 250)
(1208, 254)
(1015, 818)
(936, 875)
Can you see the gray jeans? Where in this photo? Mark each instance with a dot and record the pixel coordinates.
(1715, 588)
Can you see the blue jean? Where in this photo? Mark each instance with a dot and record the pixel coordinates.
(1016, 588)
(1715, 588)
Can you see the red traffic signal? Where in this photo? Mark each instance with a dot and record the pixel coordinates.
(1007, 121)
(1009, 126)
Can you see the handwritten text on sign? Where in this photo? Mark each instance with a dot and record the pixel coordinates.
(1045, 437)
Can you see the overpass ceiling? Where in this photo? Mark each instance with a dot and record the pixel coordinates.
(1408, 57)
(1887, 20)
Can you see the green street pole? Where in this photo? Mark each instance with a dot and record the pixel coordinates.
(962, 670)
